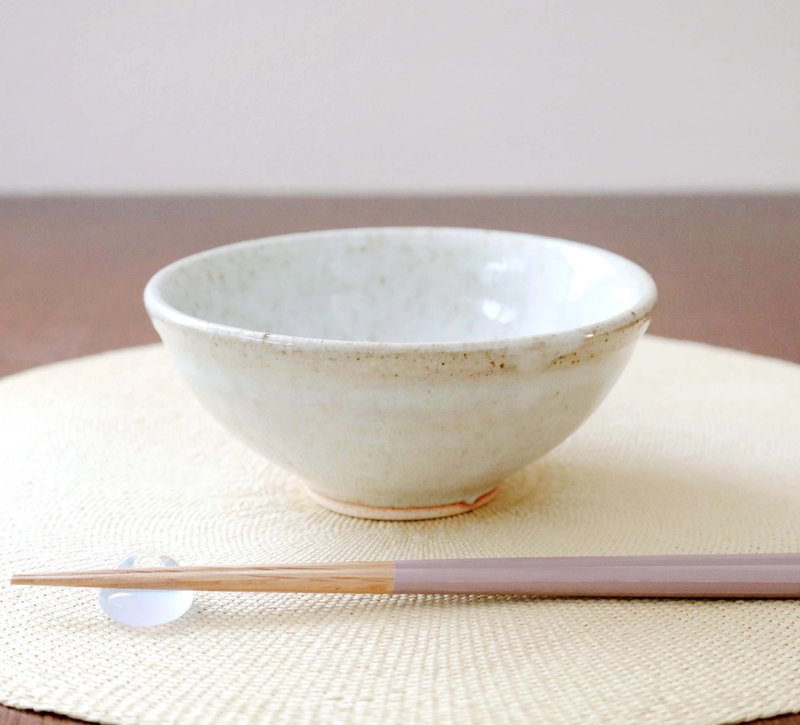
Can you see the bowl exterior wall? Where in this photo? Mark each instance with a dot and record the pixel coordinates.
(389, 426)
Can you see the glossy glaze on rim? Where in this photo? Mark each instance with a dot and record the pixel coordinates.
(159, 309)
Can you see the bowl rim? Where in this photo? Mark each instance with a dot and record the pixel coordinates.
(159, 309)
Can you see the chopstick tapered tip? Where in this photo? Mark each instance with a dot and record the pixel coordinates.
(36, 579)
(64, 579)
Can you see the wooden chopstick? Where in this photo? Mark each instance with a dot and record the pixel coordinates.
(359, 577)
(707, 576)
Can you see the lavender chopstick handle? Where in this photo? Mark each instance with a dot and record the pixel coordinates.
(712, 576)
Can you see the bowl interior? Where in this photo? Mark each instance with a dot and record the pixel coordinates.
(408, 285)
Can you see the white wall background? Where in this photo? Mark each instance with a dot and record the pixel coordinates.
(399, 95)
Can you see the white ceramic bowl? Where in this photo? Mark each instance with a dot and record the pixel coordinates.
(402, 373)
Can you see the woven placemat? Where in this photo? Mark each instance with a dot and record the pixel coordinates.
(696, 450)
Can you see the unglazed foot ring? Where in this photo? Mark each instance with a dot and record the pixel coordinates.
(400, 513)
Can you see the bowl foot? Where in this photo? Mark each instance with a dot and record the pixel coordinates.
(400, 513)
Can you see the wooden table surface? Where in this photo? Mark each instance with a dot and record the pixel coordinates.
(72, 269)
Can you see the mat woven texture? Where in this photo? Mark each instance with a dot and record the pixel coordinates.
(696, 450)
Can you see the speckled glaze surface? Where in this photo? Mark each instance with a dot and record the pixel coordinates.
(401, 372)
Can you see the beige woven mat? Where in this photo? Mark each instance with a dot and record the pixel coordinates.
(696, 450)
